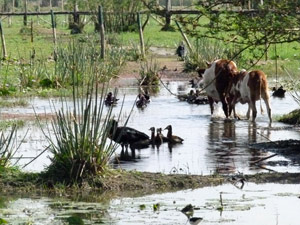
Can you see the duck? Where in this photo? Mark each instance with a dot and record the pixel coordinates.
(172, 138)
(161, 137)
(142, 101)
(278, 92)
(128, 136)
(152, 139)
(110, 99)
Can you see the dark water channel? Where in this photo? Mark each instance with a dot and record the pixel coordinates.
(211, 145)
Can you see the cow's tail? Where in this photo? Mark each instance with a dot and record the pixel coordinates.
(260, 85)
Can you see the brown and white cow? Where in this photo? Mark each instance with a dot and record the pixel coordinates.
(249, 87)
(217, 81)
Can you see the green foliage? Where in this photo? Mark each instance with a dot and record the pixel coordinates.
(7, 147)
(291, 118)
(270, 23)
(142, 206)
(5, 124)
(3, 221)
(149, 73)
(206, 50)
(83, 58)
(156, 207)
(80, 145)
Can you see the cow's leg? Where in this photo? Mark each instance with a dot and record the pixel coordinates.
(267, 102)
(233, 101)
(248, 112)
(211, 104)
(253, 108)
(225, 106)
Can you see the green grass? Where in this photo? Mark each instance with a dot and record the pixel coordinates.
(5, 124)
(291, 118)
(19, 76)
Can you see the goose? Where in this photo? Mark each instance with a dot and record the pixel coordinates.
(172, 138)
(127, 136)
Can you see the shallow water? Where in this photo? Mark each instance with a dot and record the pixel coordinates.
(255, 204)
(211, 144)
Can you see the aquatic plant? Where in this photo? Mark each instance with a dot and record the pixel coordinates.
(8, 147)
(149, 73)
(84, 58)
(80, 146)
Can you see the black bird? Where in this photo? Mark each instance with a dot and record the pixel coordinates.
(188, 210)
(172, 138)
(278, 92)
(195, 220)
(110, 99)
(127, 136)
(142, 101)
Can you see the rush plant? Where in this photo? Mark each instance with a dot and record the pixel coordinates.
(79, 142)
(7, 147)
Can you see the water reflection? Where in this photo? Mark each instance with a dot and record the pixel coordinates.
(239, 207)
(210, 145)
(228, 142)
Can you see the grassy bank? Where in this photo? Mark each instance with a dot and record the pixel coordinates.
(129, 183)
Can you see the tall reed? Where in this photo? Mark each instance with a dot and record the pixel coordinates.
(8, 147)
(80, 145)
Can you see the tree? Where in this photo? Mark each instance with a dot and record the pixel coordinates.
(269, 23)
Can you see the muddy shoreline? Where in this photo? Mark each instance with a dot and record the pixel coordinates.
(133, 183)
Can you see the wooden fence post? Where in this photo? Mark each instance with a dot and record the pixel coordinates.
(141, 35)
(184, 36)
(25, 15)
(102, 35)
(168, 14)
(31, 31)
(54, 33)
(3, 42)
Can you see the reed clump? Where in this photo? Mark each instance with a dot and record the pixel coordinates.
(79, 142)
(149, 73)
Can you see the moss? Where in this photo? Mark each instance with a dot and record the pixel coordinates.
(291, 118)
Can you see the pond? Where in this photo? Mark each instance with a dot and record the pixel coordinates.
(211, 144)
(255, 204)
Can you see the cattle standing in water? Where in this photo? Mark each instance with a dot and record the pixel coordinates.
(217, 81)
(249, 87)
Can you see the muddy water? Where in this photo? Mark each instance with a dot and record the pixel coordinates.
(255, 204)
(211, 144)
